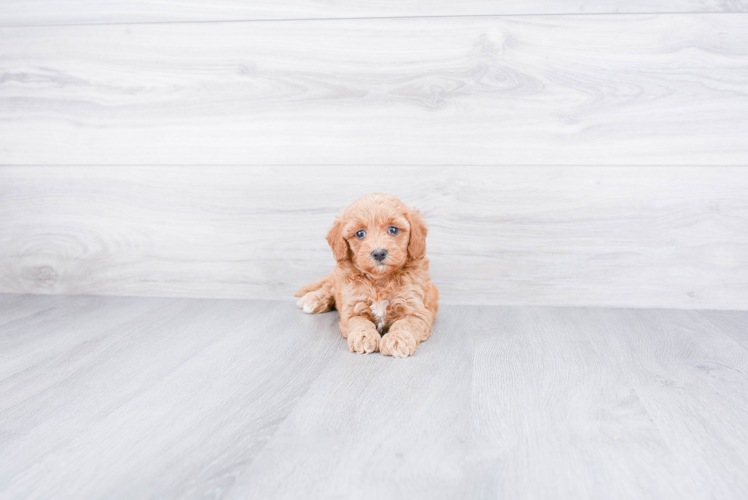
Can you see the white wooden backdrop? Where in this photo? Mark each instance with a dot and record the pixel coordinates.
(526, 90)
(627, 236)
(565, 153)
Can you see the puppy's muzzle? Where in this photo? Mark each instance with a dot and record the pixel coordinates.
(379, 255)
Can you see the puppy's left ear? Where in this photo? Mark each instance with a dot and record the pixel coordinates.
(337, 242)
(417, 243)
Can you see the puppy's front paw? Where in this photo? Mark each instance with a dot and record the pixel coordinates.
(363, 341)
(398, 344)
(312, 303)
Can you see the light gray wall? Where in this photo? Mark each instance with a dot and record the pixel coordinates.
(563, 160)
(624, 236)
(517, 90)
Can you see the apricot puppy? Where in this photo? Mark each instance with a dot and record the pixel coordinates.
(380, 285)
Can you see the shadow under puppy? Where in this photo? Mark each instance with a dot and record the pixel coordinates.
(381, 285)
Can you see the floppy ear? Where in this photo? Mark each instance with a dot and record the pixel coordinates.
(417, 243)
(337, 242)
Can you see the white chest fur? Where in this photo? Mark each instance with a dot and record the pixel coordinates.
(379, 310)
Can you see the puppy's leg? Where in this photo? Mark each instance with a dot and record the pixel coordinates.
(404, 336)
(361, 333)
(317, 297)
(431, 300)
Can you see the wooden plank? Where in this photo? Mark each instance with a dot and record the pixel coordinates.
(556, 416)
(31, 356)
(690, 377)
(22, 342)
(167, 403)
(592, 90)
(377, 427)
(732, 323)
(595, 403)
(61, 12)
(625, 236)
(17, 308)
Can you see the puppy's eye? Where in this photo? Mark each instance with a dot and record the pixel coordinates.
(393, 230)
(361, 234)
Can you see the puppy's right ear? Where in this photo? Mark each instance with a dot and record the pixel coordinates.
(417, 243)
(337, 242)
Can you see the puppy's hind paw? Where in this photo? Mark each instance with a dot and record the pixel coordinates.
(307, 308)
(311, 303)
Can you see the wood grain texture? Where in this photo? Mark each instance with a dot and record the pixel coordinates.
(732, 323)
(592, 90)
(413, 414)
(123, 382)
(626, 236)
(688, 375)
(180, 398)
(61, 12)
(563, 399)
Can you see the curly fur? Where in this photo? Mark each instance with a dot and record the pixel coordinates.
(386, 306)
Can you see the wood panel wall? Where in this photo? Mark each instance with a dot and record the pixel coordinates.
(528, 90)
(625, 236)
(563, 153)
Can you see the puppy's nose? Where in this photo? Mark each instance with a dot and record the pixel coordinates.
(379, 254)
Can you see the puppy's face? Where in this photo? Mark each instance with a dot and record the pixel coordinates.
(378, 234)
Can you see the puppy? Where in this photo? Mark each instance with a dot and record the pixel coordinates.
(380, 286)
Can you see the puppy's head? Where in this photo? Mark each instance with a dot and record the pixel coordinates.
(379, 234)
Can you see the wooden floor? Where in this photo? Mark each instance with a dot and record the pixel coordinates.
(153, 397)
